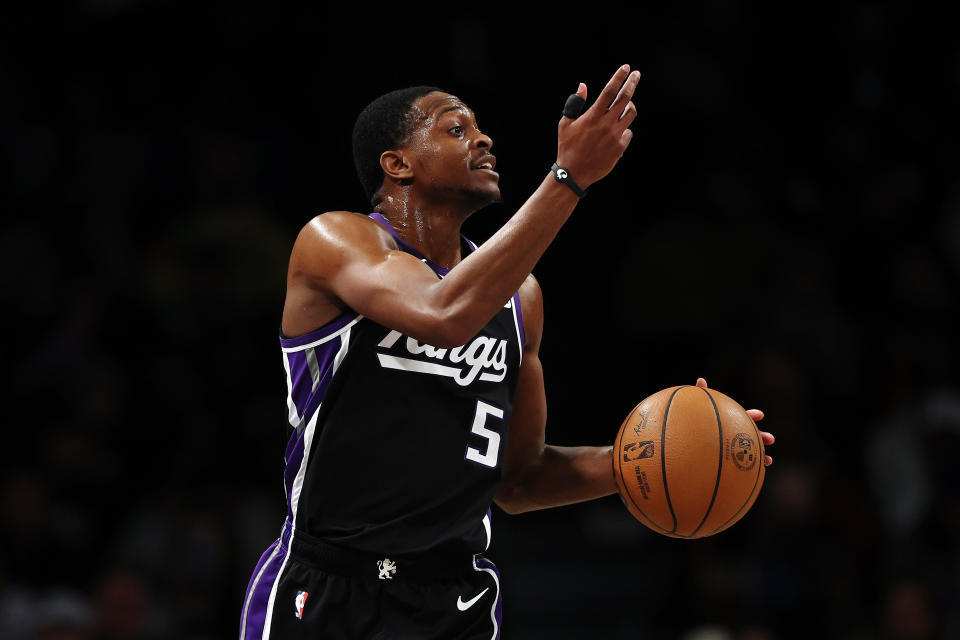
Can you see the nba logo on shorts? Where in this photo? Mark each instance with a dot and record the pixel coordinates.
(299, 602)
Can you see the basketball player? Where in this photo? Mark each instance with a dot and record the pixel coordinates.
(415, 392)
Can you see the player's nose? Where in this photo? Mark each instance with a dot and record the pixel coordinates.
(483, 141)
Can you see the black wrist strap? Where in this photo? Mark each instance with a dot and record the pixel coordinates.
(561, 175)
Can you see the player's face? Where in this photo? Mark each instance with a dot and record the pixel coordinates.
(452, 155)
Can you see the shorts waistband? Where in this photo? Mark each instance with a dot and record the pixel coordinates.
(349, 562)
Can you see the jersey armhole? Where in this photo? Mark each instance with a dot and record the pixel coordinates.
(318, 336)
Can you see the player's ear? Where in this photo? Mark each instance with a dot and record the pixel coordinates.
(396, 165)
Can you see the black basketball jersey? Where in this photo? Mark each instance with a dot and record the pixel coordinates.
(395, 445)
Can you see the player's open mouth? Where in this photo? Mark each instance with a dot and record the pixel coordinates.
(487, 165)
(488, 162)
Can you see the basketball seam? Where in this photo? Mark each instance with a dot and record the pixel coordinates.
(716, 486)
(618, 454)
(663, 457)
(755, 481)
(737, 512)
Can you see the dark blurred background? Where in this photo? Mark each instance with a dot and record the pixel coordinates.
(786, 223)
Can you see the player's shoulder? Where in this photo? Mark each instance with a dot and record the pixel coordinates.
(344, 228)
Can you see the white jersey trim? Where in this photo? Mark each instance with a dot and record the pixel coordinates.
(293, 417)
(486, 527)
(310, 345)
(301, 474)
(516, 324)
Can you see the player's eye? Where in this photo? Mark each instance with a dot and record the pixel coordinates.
(457, 131)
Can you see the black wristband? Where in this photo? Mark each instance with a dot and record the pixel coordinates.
(561, 175)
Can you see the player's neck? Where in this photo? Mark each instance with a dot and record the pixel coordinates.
(432, 230)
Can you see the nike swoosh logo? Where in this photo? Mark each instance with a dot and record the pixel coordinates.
(463, 606)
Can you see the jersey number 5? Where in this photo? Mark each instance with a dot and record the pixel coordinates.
(489, 457)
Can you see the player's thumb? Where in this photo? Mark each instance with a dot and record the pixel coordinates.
(574, 105)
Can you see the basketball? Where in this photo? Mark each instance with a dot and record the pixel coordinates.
(688, 462)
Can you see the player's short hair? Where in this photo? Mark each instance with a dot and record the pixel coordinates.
(384, 124)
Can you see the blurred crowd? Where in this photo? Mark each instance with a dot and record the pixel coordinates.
(806, 260)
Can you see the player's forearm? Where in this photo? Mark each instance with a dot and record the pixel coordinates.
(480, 285)
(562, 475)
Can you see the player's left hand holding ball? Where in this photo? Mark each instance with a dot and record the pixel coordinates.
(757, 416)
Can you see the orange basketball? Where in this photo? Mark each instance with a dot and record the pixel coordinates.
(688, 462)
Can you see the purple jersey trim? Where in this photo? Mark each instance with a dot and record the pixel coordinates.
(326, 330)
(433, 265)
(293, 458)
(310, 369)
(523, 334)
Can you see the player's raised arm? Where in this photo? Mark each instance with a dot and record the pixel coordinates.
(588, 147)
(361, 269)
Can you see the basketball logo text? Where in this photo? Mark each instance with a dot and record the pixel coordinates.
(742, 450)
(642, 483)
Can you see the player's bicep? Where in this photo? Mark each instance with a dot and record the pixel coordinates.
(351, 259)
(393, 289)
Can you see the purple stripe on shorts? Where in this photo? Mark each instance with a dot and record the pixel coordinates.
(483, 563)
(254, 614)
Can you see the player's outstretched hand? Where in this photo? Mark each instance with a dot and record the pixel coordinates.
(590, 145)
(757, 416)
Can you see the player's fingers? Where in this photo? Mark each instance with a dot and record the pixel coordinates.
(574, 105)
(610, 91)
(767, 437)
(701, 383)
(628, 114)
(625, 139)
(755, 414)
(626, 91)
(767, 460)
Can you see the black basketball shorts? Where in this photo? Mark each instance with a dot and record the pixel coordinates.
(302, 588)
